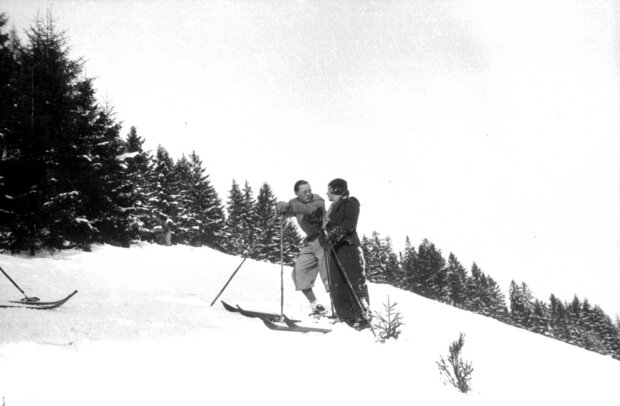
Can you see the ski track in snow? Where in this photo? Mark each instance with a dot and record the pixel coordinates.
(141, 331)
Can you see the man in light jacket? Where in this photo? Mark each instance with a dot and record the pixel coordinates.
(309, 209)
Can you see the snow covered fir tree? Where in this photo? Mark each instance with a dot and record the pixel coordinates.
(70, 179)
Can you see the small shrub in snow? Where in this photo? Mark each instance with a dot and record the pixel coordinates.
(389, 322)
(456, 371)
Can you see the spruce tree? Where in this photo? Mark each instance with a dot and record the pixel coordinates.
(493, 299)
(206, 206)
(605, 332)
(268, 226)
(10, 162)
(539, 321)
(40, 137)
(65, 182)
(457, 282)
(381, 262)
(292, 242)
(475, 289)
(107, 190)
(429, 278)
(184, 216)
(560, 328)
(573, 315)
(233, 230)
(408, 266)
(521, 304)
(138, 167)
(161, 197)
(249, 219)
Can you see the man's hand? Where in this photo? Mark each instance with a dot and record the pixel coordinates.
(282, 207)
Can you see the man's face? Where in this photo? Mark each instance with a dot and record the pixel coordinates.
(304, 193)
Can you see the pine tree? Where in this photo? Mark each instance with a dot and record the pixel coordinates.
(573, 317)
(8, 97)
(65, 182)
(493, 299)
(381, 262)
(605, 332)
(249, 219)
(474, 290)
(198, 214)
(392, 272)
(428, 276)
(206, 206)
(184, 218)
(559, 320)
(161, 198)
(233, 229)
(457, 282)
(44, 80)
(10, 162)
(539, 322)
(521, 304)
(485, 296)
(292, 242)
(268, 226)
(408, 266)
(108, 202)
(138, 167)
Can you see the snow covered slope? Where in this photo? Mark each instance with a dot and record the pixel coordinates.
(141, 331)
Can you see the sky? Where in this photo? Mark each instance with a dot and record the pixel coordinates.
(488, 127)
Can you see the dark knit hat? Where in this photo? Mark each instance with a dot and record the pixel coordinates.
(338, 187)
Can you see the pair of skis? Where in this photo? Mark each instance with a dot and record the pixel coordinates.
(275, 321)
(36, 305)
(31, 302)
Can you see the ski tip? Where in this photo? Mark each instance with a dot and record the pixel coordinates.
(228, 307)
(268, 323)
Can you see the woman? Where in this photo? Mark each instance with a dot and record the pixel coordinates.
(340, 225)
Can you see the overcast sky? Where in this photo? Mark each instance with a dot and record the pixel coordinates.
(489, 127)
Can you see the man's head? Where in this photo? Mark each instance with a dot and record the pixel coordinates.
(303, 191)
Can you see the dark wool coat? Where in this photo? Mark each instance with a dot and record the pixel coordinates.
(341, 222)
(340, 225)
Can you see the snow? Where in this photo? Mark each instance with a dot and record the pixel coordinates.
(127, 155)
(141, 331)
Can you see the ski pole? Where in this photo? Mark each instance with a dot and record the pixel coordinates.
(282, 267)
(28, 299)
(329, 278)
(350, 287)
(245, 256)
(229, 279)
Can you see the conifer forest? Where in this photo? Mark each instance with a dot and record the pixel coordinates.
(71, 176)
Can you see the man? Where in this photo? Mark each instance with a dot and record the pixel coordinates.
(309, 210)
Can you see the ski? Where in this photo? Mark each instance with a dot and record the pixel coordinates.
(37, 305)
(292, 326)
(250, 313)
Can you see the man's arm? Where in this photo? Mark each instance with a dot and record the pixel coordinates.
(296, 206)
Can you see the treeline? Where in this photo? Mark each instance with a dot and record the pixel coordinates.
(426, 272)
(68, 178)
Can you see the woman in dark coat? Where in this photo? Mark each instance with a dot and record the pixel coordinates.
(340, 225)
